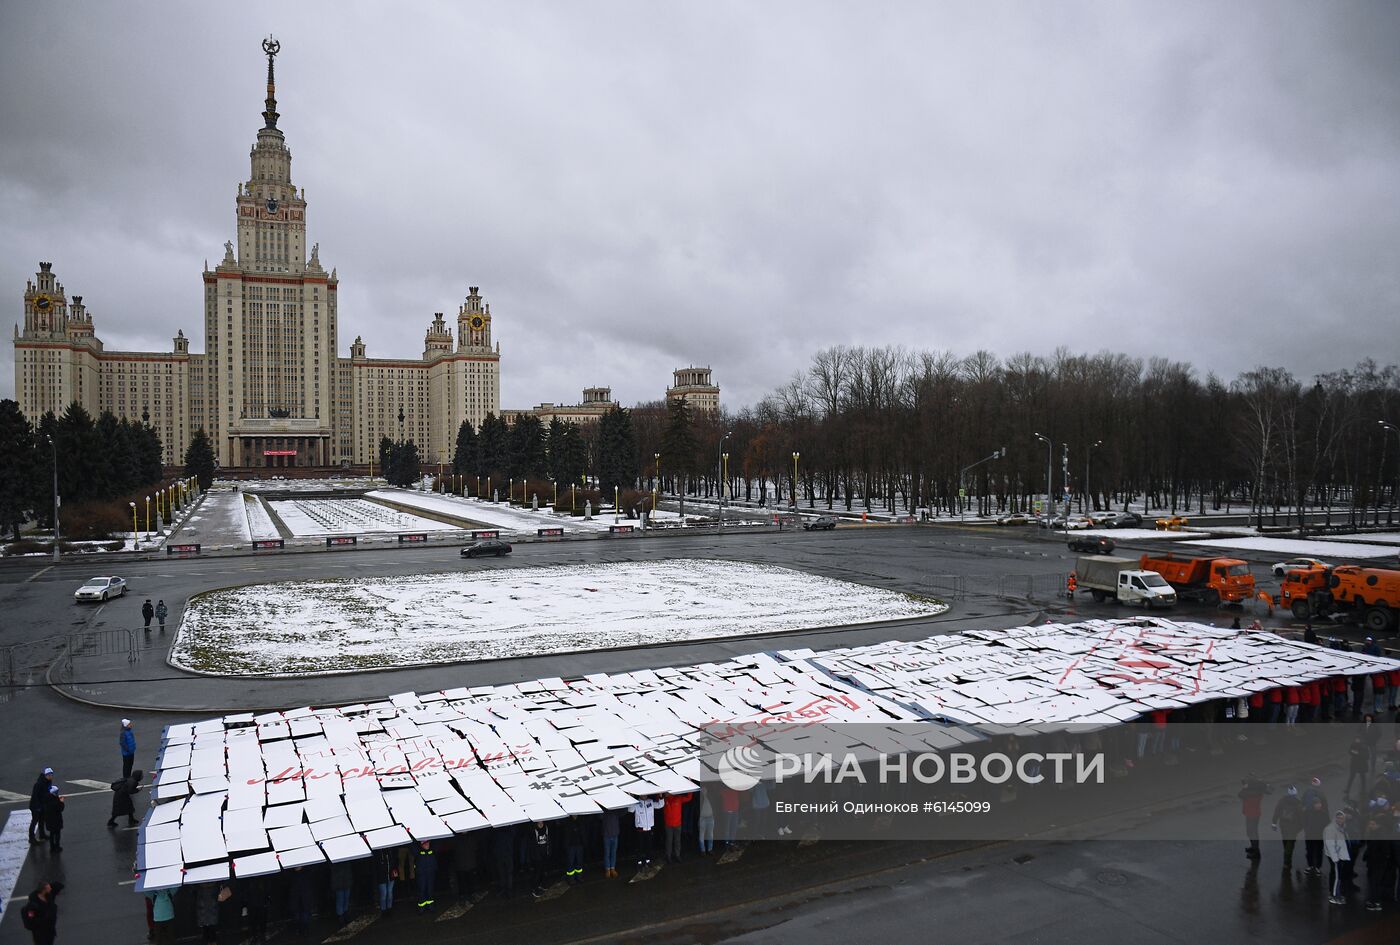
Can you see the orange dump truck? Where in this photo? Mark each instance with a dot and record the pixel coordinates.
(1371, 595)
(1210, 580)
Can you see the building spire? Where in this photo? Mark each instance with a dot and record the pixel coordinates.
(272, 47)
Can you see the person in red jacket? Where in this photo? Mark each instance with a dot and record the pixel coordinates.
(671, 817)
(1251, 806)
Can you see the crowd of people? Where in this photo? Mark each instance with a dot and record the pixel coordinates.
(531, 859)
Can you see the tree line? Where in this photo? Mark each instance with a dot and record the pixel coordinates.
(896, 430)
(99, 460)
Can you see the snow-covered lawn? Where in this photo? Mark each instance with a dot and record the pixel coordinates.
(258, 522)
(507, 518)
(313, 517)
(350, 624)
(1291, 547)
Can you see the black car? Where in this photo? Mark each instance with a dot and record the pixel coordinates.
(1092, 544)
(1127, 520)
(486, 546)
(820, 523)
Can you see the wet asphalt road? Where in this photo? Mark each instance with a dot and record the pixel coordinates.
(1112, 890)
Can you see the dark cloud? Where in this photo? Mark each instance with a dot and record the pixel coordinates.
(640, 186)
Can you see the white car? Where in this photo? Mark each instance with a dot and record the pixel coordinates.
(1297, 564)
(100, 588)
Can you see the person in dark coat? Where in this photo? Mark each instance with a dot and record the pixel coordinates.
(1288, 821)
(53, 818)
(1315, 820)
(124, 798)
(464, 858)
(1359, 763)
(148, 611)
(1251, 806)
(161, 612)
(40, 915)
(573, 850)
(301, 899)
(386, 871)
(540, 847)
(257, 900)
(503, 853)
(1377, 854)
(38, 801)
(425, 860)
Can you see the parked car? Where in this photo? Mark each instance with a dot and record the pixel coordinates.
(820, 523)
(1103, 519)
(1076, 523)
(1297, 564)
(1172, 523)
(1092, 544)
(100, 589)
(1127, 520)
(486, 546)
(1015, 518)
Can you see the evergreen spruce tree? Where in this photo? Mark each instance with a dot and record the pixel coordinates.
(493, 446)
(111, 479)
(527, 459)
(405, 466)
(18, 447)
(79, 453)
(554, 448)
(617, 452)
(465, 461)
(41, 479)
(386, 457)
(199, 459)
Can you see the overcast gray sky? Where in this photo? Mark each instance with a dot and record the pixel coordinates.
(641, 186)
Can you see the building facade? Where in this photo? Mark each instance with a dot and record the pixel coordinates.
(270, 388)
(696, 387)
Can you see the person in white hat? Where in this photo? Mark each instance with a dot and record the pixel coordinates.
(127, 741)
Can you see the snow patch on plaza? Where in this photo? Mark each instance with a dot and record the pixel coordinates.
(259, 523)
(316, 517)
(352, 624)
(1297, 547)
(494, 514)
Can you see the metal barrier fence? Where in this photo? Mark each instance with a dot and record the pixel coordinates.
(1003, 586)
(89, 644)
(24, 665)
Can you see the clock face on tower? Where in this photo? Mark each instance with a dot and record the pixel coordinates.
(271, 204)
(477, 322)
(42, 303)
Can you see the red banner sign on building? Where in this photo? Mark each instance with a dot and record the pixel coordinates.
(279, 452)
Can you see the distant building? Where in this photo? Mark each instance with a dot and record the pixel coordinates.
(694, 386)
(596, 402)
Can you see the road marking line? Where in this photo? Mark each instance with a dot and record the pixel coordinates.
(89, 783)
(354, 928)
(14, 850)
(10, 797)
(37, 574)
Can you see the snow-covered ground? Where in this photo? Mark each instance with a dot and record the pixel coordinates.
(1302, 547)
(258, 522)
(315, 517)
(1138, 534)
(351, 624)
(218, 520)
(507, 518)
(300, 485)
(1373, 538)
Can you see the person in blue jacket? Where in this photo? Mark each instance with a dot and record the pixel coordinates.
(127, 741)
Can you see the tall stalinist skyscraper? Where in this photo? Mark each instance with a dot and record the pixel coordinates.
(270, 389)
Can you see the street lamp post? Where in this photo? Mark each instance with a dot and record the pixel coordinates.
(1089, 452)
(615, 503)
(723, 476)
(1390, 427)
(135, 532)
(54, 449)
(962, 477)
(795, 457)
(655, 485)
(148, 518)
(1049, 465)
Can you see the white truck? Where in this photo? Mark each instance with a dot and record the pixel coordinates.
(1121, 579)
